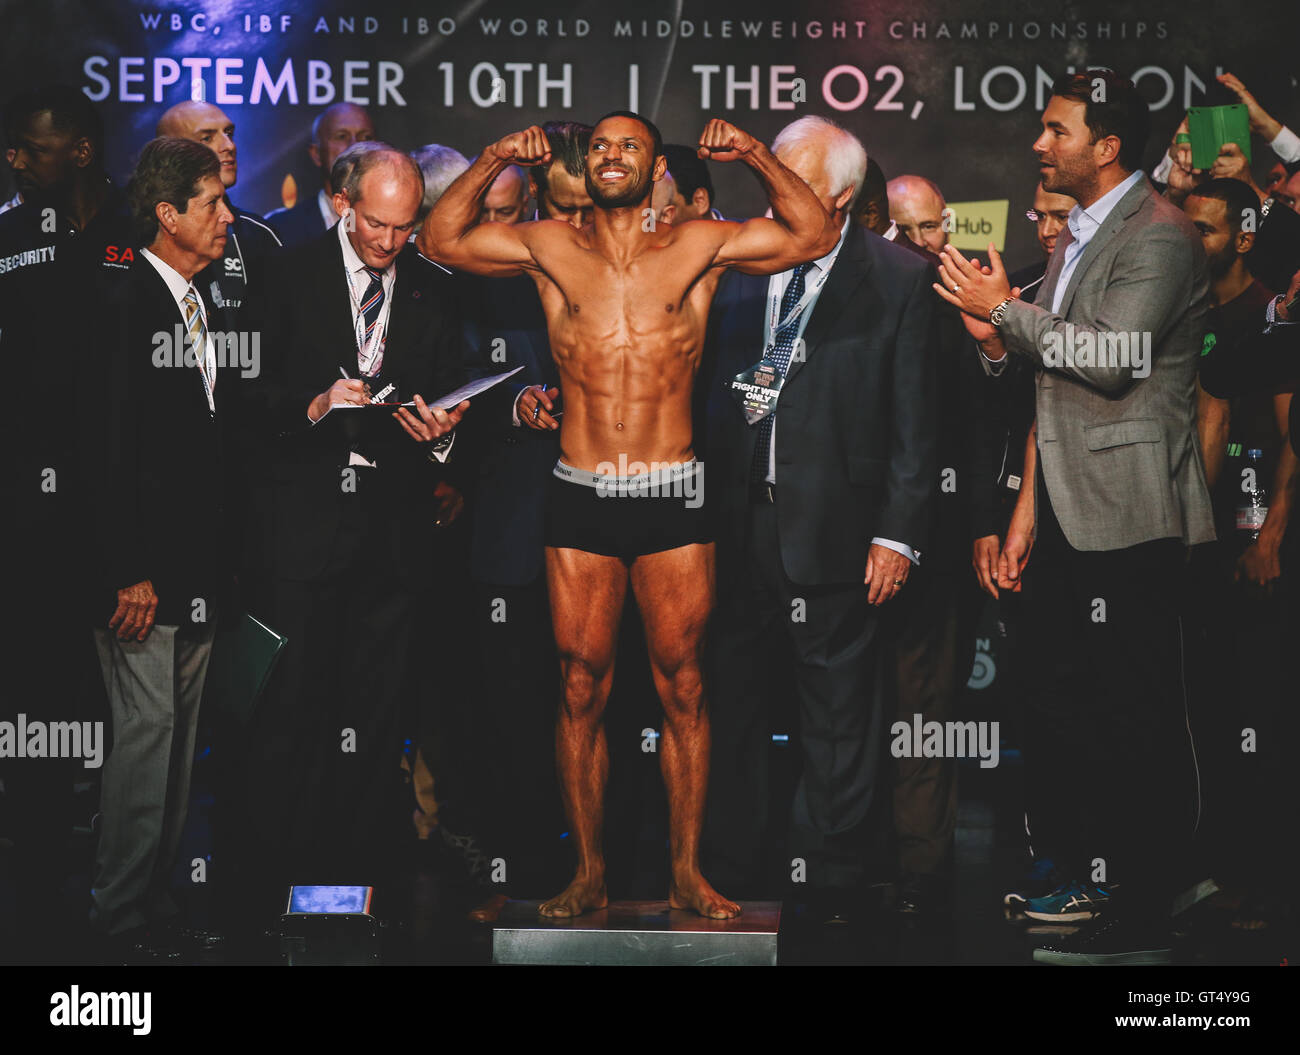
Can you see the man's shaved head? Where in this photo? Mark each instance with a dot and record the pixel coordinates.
(383, 188)
(204, 123)
(917, 205)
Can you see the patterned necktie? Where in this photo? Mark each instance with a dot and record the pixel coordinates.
(371, 305)
(199, 339)
(781, 352)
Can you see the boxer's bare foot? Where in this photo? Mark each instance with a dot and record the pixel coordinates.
(489, 910)
(582, 895)
(694, 892)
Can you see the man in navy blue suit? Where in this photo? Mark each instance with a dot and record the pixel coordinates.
(820, 510)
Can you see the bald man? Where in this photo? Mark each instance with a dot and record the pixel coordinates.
(249, 239)
(335, 129)
(916, 205)
(351, 523)
(506, 198)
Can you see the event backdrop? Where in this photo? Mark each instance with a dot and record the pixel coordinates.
(950, 90)
(947, 89)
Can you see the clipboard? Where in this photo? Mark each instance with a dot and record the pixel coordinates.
(446, 402)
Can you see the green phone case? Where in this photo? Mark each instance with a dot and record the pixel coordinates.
(1212, 126)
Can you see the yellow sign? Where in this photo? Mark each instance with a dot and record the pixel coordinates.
(974, 224)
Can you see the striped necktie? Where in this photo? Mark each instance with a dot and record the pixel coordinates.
(782, 349)
(198, 332)
(371, 305)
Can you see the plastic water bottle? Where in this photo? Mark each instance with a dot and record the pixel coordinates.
(1253, 505)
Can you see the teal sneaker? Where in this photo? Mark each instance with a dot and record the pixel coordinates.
(1069, 903)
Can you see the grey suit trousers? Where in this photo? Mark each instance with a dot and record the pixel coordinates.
(154, 687)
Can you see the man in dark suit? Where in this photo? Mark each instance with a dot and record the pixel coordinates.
(935, 619)
(820, 510)
(161, 534)
(335, 130)
(1005, 462)
(349, 511)
(509, 788)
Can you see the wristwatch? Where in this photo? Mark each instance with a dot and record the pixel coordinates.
(999, 313)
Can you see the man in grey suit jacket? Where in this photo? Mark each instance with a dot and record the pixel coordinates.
(1120, 492)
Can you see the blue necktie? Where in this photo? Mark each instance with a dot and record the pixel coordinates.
(781, 353)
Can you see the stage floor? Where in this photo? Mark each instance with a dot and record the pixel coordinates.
(434, 929)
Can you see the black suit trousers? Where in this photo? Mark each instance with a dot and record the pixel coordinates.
(324, 797)
(935, 616)
(511, 796)
(831, 637)
(1107, 752)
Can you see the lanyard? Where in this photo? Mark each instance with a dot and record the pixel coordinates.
(369, 352)
(774, 307)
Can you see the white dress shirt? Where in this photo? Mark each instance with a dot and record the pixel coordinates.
(1286, 145)
(359, 280)
(813, 280)
(1083, 224)
(326, 205)
(178, 285)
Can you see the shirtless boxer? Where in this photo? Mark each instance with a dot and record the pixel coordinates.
(626, 304)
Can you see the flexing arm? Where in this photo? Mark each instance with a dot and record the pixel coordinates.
(451, 233)
(799, 229)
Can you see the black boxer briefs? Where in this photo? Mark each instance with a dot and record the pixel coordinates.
(626, 516)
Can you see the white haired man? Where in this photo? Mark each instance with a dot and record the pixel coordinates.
(821, 510)
(439, 165)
